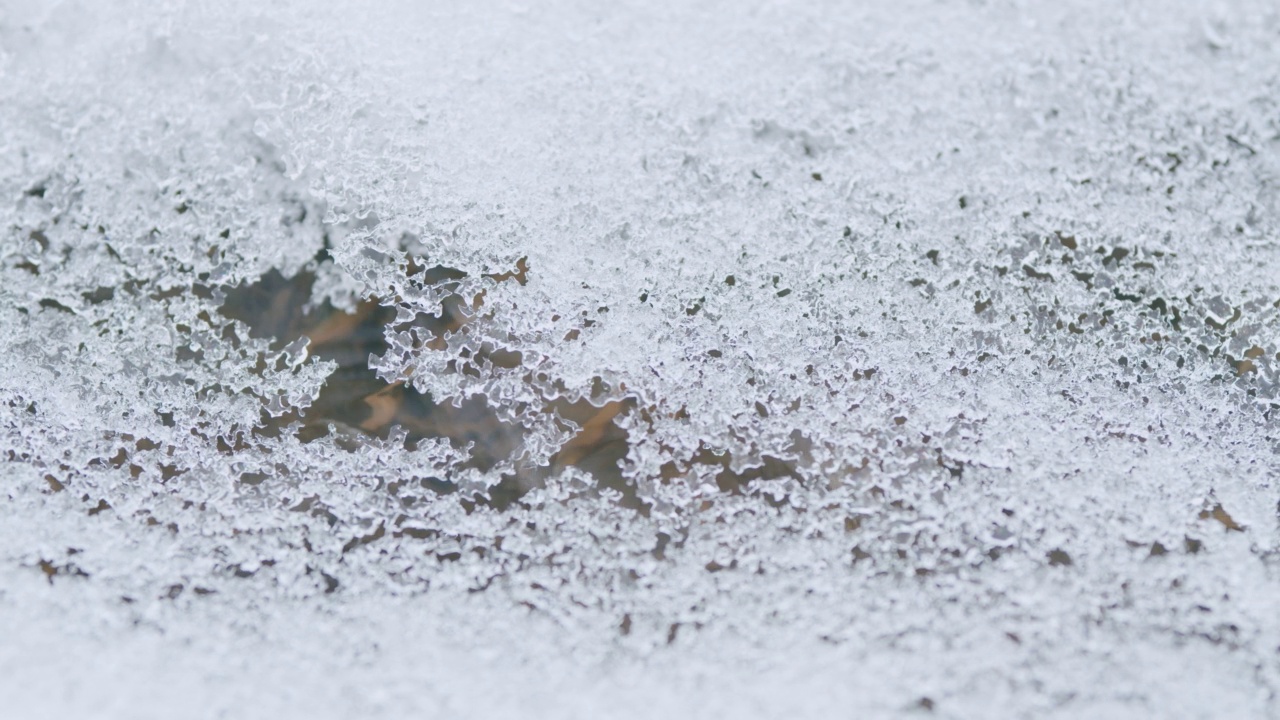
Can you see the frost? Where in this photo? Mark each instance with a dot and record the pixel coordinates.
(761, 360)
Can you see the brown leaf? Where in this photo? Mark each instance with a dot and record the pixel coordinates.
(1220, 514)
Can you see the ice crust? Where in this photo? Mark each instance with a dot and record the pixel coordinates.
(943, 335)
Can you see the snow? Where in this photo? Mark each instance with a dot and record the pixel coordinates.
(937, 341)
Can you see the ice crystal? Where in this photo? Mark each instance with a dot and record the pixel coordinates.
(753, 359)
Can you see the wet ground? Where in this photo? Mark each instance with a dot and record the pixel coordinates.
(355, 402)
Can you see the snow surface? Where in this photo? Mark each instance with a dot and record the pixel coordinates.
(943, 336)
